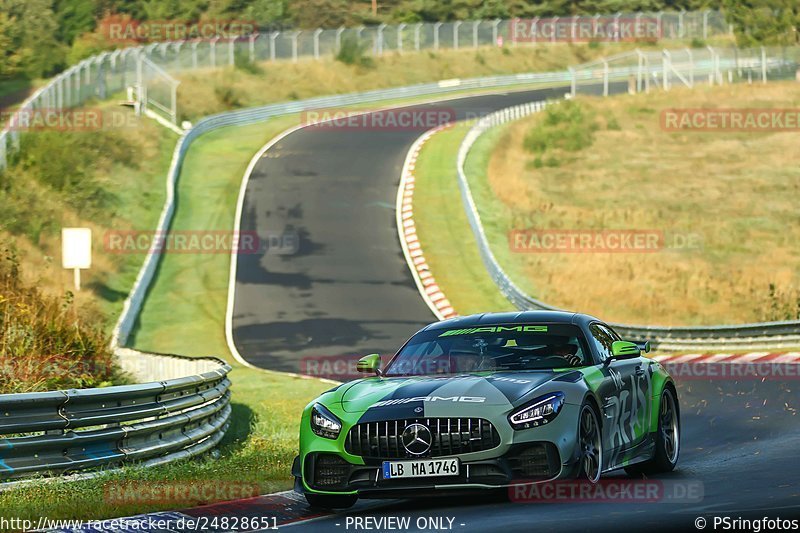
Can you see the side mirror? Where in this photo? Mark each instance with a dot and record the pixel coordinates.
(370, 363)
(625, 350)
(644, 346)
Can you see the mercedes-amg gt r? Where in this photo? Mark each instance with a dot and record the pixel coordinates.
(488, 401)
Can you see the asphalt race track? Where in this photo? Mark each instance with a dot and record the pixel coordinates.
(348, 290)
(739, 449)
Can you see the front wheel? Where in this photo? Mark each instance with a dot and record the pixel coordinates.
(331, 501)
(668, 439)
(590, 464)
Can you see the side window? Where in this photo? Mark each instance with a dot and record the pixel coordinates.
(602, 337)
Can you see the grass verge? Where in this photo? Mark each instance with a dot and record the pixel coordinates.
(444, 231)
(721, 201)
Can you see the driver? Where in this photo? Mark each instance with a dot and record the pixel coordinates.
(569, 353)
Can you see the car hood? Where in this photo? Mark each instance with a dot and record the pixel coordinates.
(432, 393)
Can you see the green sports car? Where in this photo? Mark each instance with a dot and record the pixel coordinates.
(488, 401)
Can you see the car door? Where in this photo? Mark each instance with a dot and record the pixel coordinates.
(624, 394)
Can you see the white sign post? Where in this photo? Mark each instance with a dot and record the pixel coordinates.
(76, 251)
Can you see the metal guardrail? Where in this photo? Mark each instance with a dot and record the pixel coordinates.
(151, 423)
(766, 335)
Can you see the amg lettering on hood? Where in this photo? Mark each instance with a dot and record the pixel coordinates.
(400, 401)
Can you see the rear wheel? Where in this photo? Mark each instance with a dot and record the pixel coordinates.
(668, 439)
(331, 501)
(590, 464)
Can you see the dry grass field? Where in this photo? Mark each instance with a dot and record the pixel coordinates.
(735, 194)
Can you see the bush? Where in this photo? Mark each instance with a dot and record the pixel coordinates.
(353, 52)
(45, 343)
(568, 126)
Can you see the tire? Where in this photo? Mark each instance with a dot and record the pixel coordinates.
(590, 440)
(668, 439)
(331, 501)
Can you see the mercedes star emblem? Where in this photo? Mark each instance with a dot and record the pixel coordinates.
(417, 439)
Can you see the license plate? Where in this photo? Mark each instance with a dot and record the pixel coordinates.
(420, 468)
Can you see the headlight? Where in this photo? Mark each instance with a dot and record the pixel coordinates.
(538, 412)
(324, 423)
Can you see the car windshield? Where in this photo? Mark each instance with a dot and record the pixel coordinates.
(491, 348)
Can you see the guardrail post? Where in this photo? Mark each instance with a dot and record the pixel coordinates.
(436, 27)
(316, 42)
(456, 25)
(573, 76)
(475, 25)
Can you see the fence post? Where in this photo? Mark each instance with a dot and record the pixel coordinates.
(572, 31)
(272, 37)
(705, 24)
(338, 39)
(763, 65)
(691, 66)
(475, 25)
(495, 24)
(605, 77)
(456, 25)
(212, 47)
(713, 75)
(436, 27)
(252, 46)
(616, 26)
(194, 53)
(417, 29)
(400, 28)
(231, 51)
(317, 32)
(379, 39)
(295, 37)
(665, 62)
(680, 24)
(554, 32)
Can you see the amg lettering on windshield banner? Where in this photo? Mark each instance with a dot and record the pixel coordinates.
(495, 329)
(400, 401)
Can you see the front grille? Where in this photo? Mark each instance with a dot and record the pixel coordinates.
(330, 471)
(537, 461)
(451, 436)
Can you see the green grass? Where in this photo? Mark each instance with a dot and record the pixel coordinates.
(444, 232)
